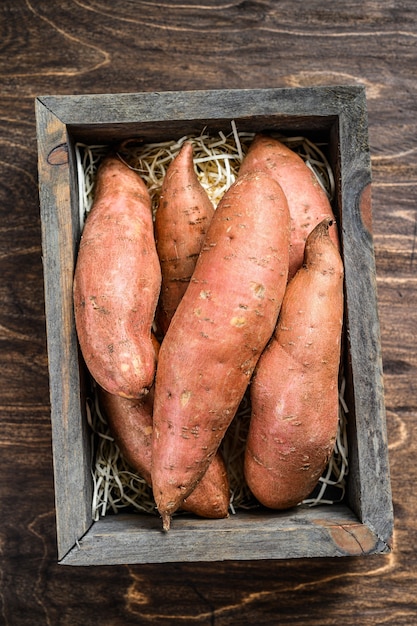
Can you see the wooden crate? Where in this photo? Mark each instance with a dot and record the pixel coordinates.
(363, 523)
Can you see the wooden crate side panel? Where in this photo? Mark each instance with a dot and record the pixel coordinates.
(321, 532)
(113, 117)
(175, 129)
(98, 109)
(369, 487)
(70, 442)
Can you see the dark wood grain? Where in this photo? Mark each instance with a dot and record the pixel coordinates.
(92, 46)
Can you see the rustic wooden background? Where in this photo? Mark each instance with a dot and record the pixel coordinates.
(99, 46)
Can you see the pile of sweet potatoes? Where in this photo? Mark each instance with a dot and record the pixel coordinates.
(179, 316)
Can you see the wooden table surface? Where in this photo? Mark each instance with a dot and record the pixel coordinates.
(111, 46)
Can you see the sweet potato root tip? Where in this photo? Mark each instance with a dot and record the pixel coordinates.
(166, 522)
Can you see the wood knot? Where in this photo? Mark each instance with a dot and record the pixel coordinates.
(58, 155)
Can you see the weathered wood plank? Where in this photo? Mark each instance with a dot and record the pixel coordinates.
(70, 437)
(320, 532)
(369, 484)
(157, 115)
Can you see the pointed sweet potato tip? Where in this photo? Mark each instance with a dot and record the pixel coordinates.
(166, 522)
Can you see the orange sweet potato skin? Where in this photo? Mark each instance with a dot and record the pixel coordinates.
(117, 282)
(130, 422)
(181, 221)
(294, 392)
(217, 334)
(307, 201)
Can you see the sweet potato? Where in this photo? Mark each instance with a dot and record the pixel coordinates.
(117, 282)
(182, 218)
(217, 334)
(294, 391)
(307, 201)
(131, 421)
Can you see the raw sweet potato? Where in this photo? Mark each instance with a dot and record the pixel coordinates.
(307, 201)
(130, 422)
(294, 391)
(117, 282)
(182, 218)
(217, 334)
